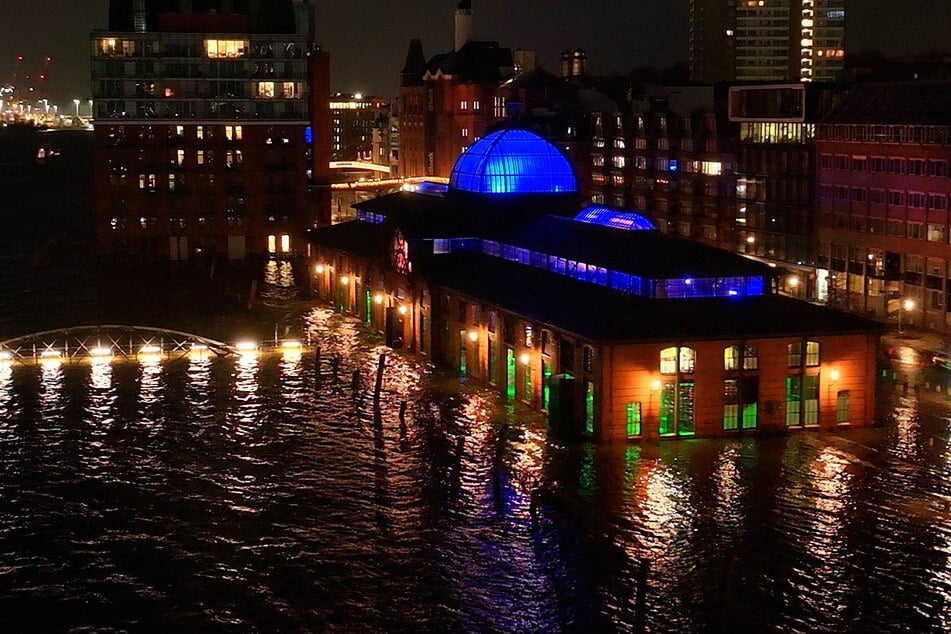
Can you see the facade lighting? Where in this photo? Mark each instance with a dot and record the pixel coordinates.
(378, 298)
(344, 280)
(473, 336)
(834, 375)
(246, 347)
(655, 385)
(150, 350)
(909, 304)
(403, 309)
(524, 358)
(320, 269)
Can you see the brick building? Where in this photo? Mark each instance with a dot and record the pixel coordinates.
(589, 313)
(211, 126)
(884, 175)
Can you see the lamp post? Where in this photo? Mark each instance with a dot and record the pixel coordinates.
(906, 305)
(76, 103)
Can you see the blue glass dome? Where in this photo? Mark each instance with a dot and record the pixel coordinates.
(615, 218)
(513, 162)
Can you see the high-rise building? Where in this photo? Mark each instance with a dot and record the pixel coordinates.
(210, 120)
(766, 40)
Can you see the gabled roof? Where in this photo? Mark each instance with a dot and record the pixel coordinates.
(475, 62)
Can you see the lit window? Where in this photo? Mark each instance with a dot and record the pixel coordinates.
(264, 90)
(201, 157)
(290, 90)
(463, 105)
(633, 420)
(476, 105)
(285, 243)
(180, 157)
(200, 132)
(225, 49)
(465, 133)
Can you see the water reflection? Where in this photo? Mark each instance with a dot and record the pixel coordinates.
(276, 503)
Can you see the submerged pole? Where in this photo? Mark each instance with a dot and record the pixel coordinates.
(381, 366)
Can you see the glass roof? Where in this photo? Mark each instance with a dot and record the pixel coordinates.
(615, 218)
(513, 162)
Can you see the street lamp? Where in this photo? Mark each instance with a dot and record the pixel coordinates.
(76, 102)
(906, 305)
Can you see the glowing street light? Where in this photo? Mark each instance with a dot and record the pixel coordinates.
(473, 336)
(524, 358)
(906, 305)
(378, 298)
(76, 102)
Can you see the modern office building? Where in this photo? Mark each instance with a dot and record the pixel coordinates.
(884, 179)
(776, 215)
(353, 121)
(211, 126)
(767, 40)
(616, 330)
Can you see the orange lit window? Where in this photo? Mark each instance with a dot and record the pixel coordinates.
(225, 49)
(265, 90)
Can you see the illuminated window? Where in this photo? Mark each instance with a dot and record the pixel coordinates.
(264, 90)
(201, 157)
(285, 243)
(171, 182)
(668, 361)
(633, 412)
(712, 168)
(180, 157)
(842, 406)
(225, 49)
(290, 90)
(200, 132)
(272, 244)
(476, 105)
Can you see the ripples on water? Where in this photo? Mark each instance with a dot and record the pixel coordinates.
(232, 495)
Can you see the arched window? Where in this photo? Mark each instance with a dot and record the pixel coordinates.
(674, 360)
(794, 352)
(812, 354)
(668, 361)
(731, 358)
(750, 357)
(688, 360)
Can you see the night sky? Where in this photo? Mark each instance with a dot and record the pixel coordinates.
(368, 39)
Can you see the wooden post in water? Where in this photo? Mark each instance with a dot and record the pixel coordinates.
(640, 618)
(335, 366)
(381, 366)
(317, 366)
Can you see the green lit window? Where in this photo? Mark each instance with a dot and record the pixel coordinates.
(802, 400)
(731, 404)
(740, 398)
(685, 409)
(633, 420)
(493, 361)
(667, 408)
(527, 383)
(463, 370)
(842, 406)
(510, 373)
(368, 307)
(546, 388)
(589, 408)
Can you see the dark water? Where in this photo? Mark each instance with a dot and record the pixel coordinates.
(233, 495)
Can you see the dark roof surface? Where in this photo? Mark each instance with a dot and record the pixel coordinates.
(567, 304)
(266, 16)
(909, 103)
(648, 254)
(475, 62)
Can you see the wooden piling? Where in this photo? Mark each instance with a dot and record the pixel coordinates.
(378, 388)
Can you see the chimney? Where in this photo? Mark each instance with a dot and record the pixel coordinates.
(462, 25)
(566, 64)
(579, 62)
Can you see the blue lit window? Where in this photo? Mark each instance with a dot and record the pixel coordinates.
(615, 218)
(513, 162)
(674, 165)
(308, 134)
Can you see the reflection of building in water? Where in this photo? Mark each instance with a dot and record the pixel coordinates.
(590, 313)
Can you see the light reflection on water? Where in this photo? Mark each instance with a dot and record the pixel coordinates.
(202, 491)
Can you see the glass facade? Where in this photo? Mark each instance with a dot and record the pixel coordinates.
(513, 162)
(615, 218)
